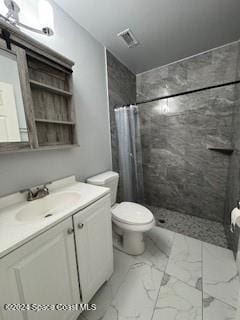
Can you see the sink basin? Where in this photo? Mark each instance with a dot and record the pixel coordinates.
(47, 207)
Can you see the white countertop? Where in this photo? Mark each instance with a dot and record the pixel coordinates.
(14, 233)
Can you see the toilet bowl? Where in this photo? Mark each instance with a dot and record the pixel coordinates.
(130, 220)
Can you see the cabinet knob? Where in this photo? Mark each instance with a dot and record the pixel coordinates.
(80, 225)
(70, 231)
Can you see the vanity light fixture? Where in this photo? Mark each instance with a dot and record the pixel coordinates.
(12, 17)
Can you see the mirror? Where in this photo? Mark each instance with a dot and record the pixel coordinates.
(13, 127)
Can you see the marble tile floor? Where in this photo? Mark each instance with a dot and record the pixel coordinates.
(176, 278)
(195, 227)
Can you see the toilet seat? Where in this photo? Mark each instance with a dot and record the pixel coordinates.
(132, 214)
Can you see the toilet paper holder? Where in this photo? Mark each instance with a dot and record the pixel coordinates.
(238, 204)
(232, 226)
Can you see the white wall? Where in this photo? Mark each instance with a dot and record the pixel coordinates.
(20, 170)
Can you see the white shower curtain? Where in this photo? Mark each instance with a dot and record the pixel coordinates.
(130, 154)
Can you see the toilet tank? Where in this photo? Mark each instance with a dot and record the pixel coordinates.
(108, 179)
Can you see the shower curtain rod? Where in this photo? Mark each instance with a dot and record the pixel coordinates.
(188, 92)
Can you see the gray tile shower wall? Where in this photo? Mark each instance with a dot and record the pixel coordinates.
(210, 68)
(233, 185)
(122, 91)
(180, 172)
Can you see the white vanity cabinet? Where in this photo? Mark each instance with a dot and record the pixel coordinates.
(43, 271)
(93, 236)
(66, 264)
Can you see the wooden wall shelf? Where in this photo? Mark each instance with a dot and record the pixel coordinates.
(51, 90)
(44, 148)
(39, 85)
(56, 121)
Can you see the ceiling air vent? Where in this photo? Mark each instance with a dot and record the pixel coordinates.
(128, 38)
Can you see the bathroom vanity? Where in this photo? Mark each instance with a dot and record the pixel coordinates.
(54, 251)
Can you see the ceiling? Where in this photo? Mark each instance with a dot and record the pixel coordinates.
(168, 30)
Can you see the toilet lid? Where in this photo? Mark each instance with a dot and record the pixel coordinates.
(132, 213)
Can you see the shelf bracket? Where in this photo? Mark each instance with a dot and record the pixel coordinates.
(227, 151)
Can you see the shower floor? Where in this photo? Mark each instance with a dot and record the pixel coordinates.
(198, 228)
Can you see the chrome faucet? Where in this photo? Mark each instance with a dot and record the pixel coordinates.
(37, 193)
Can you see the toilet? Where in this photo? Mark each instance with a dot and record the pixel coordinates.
(130, 220)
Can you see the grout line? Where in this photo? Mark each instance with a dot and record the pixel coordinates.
(174, 238)
(210, 295)
(126, 273)
(154, 308)
(202, 276)
(175, 276)
(169, 96)
(119, 286)
(221, 301)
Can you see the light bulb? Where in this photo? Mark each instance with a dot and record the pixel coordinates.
(3, 8)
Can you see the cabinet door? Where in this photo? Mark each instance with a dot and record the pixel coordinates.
(93, 235)
(43, 271)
